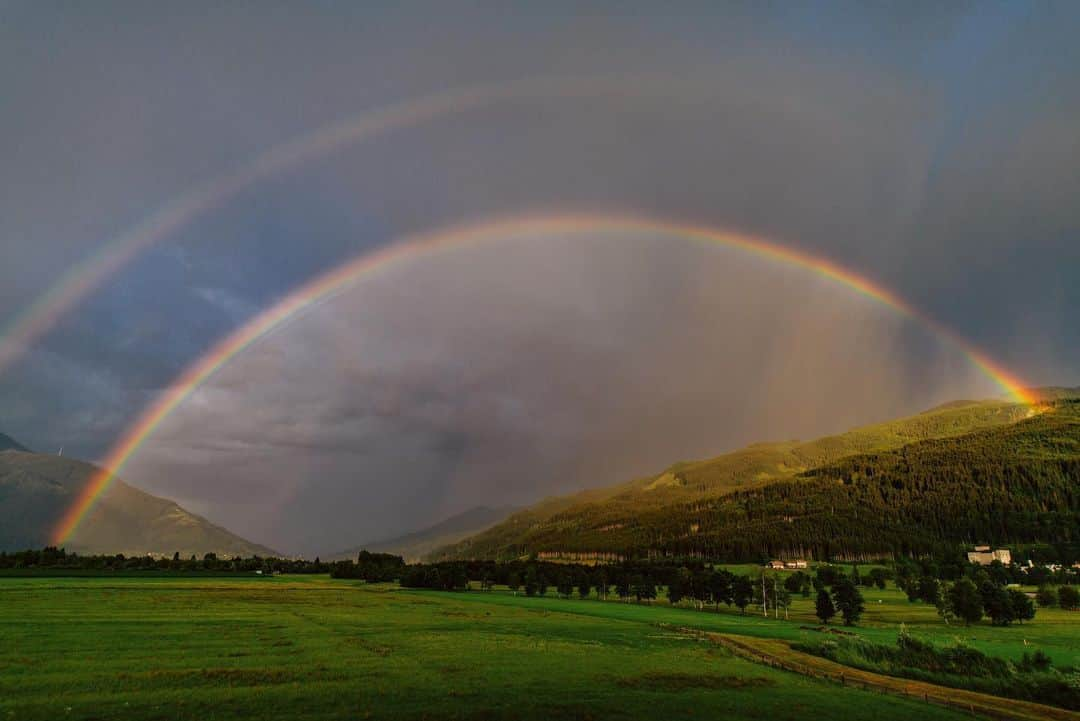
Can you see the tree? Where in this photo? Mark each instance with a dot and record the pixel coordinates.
(602, 585)
(644, 589)
(584, 586)
(965, 601)
(996, 603)
(1046, 596)
(1068, 598)
(828, 575)
(699, 588)
(1038, 575)
(824, 606)
(944, 604)
(742, 590)
(532, 581)
(904, 571)
(677, 587)
(513, 581)
(564, 586)
(783, 600)
(878, 576)
(720, 587)
(458, 578)
(998, 573)
(848, 601)
(911, 588)
(797, 582)
(624, 587)
(1023, 608)
(929, 590)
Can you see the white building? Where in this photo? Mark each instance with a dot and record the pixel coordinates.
(983, 556)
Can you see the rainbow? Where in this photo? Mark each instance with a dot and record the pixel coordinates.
(46, 311)
(367, 265)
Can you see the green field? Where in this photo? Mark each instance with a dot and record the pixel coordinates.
(311, 647)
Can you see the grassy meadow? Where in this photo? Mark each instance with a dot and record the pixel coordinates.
(312, 648)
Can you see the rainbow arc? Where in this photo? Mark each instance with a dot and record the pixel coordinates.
(345, 276)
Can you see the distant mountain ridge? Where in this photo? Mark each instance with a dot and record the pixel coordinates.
(35, 489)
(649, 513)
(7, 443)
(416, 545)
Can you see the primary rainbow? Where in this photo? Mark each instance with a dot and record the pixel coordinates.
(334, 282)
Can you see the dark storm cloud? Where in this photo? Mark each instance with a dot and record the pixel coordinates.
(556, 364)
(933, 147)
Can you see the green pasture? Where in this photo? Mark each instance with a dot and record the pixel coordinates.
(314, 648)
(1054, 631)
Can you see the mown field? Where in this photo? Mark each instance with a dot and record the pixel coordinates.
(314, 648)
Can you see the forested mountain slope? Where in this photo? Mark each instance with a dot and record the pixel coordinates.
(793, 498)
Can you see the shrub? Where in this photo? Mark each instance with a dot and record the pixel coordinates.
(1033, 678)
(1046, 596)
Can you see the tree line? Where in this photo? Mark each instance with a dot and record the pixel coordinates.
(58, 559)
(964, 593)
(696, 585)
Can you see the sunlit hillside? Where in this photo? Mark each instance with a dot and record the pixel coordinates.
(678, 508)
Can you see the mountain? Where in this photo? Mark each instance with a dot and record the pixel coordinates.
(417, 545)
(688, 507)
(7, 443)
(35, 489)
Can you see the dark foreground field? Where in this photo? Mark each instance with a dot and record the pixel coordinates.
(313, 648)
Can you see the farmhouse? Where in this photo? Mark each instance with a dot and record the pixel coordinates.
(778, 565)
(983, 556)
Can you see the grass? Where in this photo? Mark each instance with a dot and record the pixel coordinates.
(954, 666)
(1054, 631)
(782, 654)
(314, 648)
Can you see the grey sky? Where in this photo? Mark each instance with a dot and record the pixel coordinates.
(935, 150)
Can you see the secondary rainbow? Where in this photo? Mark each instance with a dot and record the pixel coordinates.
(39, 317)
(336, 281)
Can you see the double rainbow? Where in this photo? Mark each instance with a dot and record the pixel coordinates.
(365, 266)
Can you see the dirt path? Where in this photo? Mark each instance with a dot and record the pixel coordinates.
(779, 654)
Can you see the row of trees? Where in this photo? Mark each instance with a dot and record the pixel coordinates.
(982, 591)
(975, 595)
(1068, 597)
(58, 559)
(698, 586)
(968, 602)
(370, 567)
(955, 566)
(843, 598)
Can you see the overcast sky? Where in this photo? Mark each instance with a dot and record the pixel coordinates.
(933, 148)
